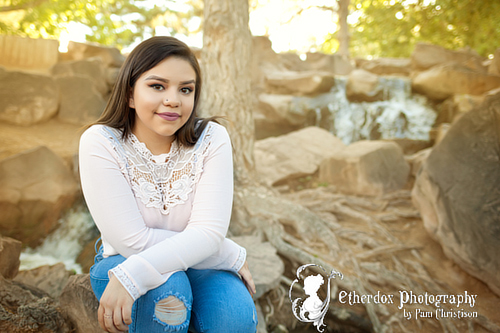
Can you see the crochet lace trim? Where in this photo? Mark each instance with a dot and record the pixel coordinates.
(163, 184)
(125, 281)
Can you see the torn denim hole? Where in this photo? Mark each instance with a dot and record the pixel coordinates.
(171, 311)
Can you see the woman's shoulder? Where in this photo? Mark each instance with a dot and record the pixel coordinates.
(216, 132)
(100, 132)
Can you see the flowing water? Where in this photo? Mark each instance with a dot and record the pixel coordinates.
(64, 244)
(399, 115)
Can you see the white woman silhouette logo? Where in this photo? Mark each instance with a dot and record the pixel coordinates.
(312, 309)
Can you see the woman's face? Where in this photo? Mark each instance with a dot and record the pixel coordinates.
(163, 99)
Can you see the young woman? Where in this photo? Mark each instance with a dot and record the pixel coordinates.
(158, 182)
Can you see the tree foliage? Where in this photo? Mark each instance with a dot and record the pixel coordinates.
(392, 28)
(112, 22)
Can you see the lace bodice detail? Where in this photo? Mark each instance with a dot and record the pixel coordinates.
(160, 184)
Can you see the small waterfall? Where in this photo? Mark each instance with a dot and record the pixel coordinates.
(399, 115)
(64, 245)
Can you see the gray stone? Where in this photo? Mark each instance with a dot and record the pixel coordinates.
(81, 103)
(307, 83)
(36, 187)
(363, 86)
(50, 279)
(80, 304)
(10, 250)
(265, 265)
(441, 82)
(294, 155)
(110, 56)
(91, 68)
(27, 99)
(366, 168)
(456, 193)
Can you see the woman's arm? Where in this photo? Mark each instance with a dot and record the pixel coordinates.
(113, 206)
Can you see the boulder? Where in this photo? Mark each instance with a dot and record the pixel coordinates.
(456, 106)
(494, 67)
(441, 82)
(264, 263)
(110, 56)
(279, 114)
(331, 63)
(366, 168)
(387, 66)
(417, 160)
(294, 155)
(50, 279)
(410, 146)
(26, 309)
(10, 250)
(35, 188)
(81, 103)
(307, 83)
(80, 304)
(91, 68)
(426, 56)
(28, 54)
(27, 99)
(456, 193)
(363, 86)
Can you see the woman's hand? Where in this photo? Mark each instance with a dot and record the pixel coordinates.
(247, 278)
(115, 308)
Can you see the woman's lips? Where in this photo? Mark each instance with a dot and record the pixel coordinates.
(170, 116)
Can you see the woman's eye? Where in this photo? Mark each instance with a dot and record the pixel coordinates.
(186, 90)
(157, 86)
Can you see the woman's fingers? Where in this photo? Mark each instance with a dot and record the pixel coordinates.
(247, 278)
(118, 320)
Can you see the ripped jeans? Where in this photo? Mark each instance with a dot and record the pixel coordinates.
(198, 300)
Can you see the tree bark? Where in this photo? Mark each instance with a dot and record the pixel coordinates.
(343, 12)
(226, 64)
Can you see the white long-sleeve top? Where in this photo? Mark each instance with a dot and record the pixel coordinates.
(164, 213)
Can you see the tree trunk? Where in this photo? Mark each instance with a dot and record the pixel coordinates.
(343, 12)
(226, 53)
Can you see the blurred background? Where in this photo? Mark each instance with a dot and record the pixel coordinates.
(368, 144)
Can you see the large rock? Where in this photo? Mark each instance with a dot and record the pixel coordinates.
(363, 86)
(10, 250)
(80, 304)
(332, 63)
(366, 168)
(441, 82)
(91, 68)
(426, 56)
(494, 67)
(280, 114)
(456, 106)
(35, 188)
(264, 263)
(26, 309)
(388, 66)
(456, 192)
(308, 83)
(110, 56)
(81, 102)
(28, 54)
(50, 279)
(27, 98)
(294, 155)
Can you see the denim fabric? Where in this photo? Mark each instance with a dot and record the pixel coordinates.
(215, 301)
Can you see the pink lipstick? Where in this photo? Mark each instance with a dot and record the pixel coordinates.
(170, 116)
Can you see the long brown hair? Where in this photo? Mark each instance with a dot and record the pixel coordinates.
(145, 56)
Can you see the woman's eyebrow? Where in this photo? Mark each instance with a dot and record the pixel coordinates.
(159, 78)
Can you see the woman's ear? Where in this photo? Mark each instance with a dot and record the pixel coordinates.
(131, 103)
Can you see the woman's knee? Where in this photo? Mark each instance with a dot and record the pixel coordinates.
(171, 311)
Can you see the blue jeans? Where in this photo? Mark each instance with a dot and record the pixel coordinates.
(203, 301)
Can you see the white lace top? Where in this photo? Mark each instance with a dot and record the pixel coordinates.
(163, 213)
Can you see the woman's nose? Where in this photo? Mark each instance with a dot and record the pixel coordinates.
(171, 101)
